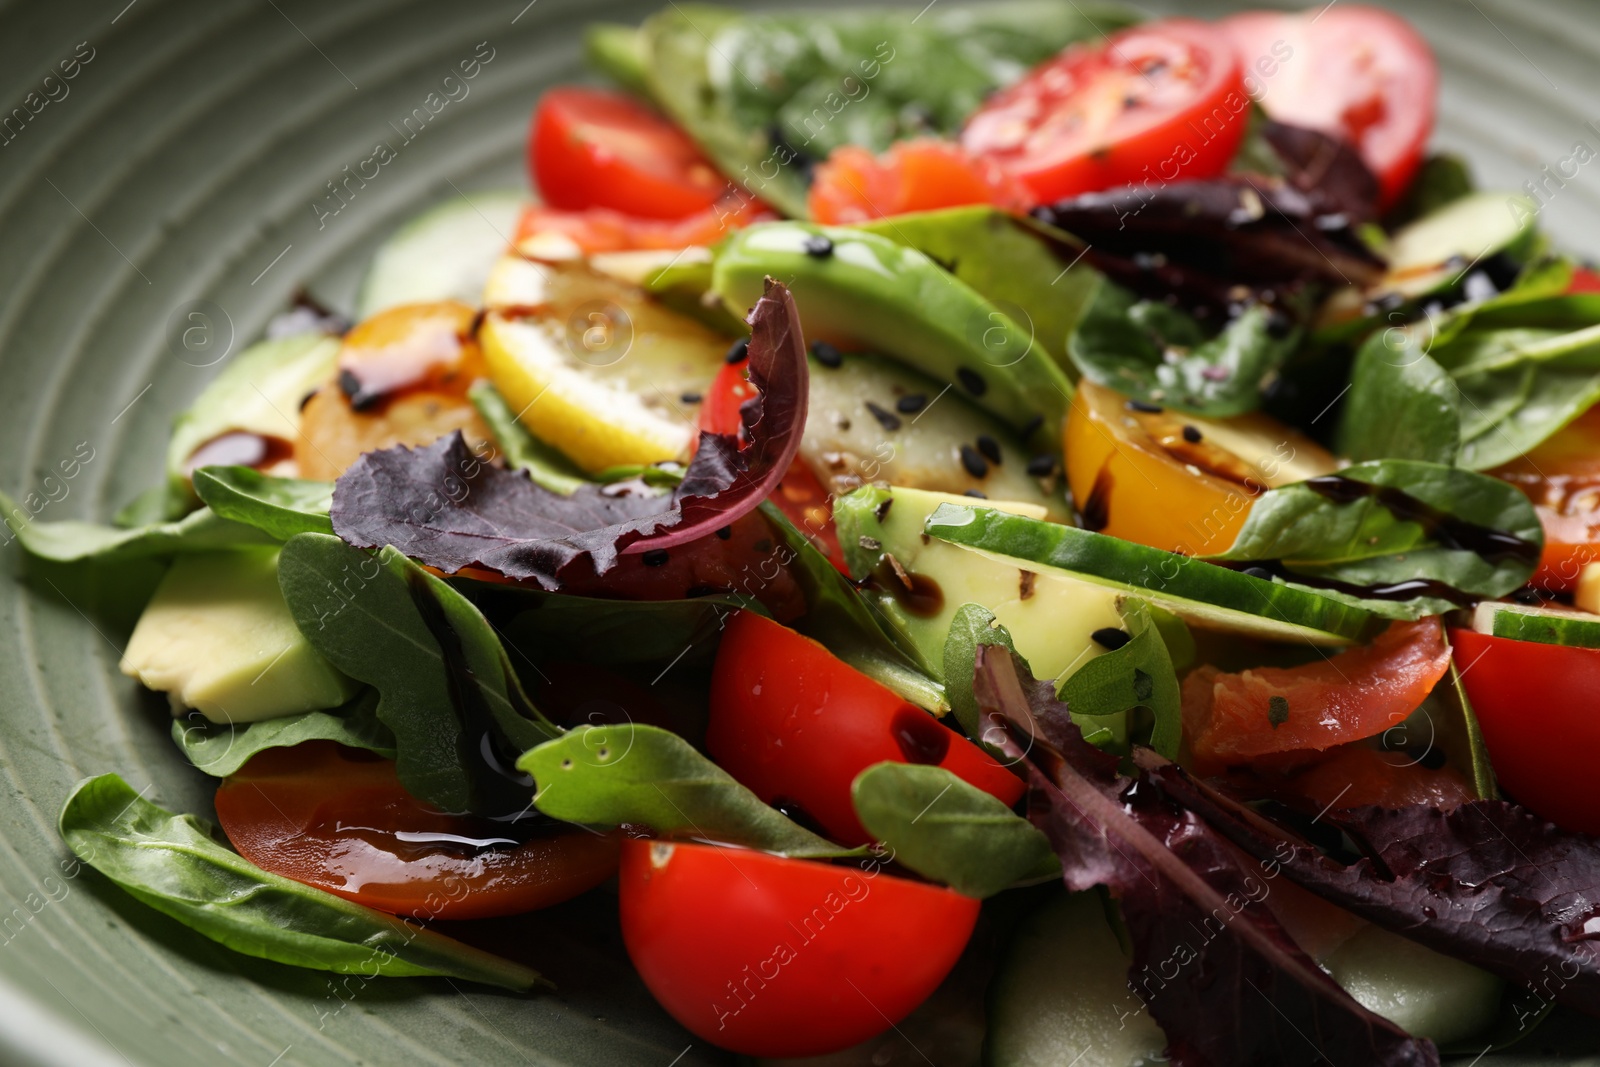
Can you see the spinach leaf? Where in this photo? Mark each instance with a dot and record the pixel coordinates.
(1401, 404)
(949, 831)
(1441, 179)
(768, 95)
(278, 507)
(523, 451)
(1137, 675)
(171, 863)
(1395, 535)
(447, 689)
(1155, 352)
(219, 749)
(75, 541)
(637, 775)
(973, 625)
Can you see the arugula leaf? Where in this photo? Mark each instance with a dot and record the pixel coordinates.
(523, 451)
(171, 863)
(1155, 352)
(1137, 675)
(447, 509)
(447, 689)
(1396, 536)
(1187, 902)
(278, 507)
(949, 831)
(1401, 404)
(767, 95)
(219, 749)
(75, 541)
(637, 775)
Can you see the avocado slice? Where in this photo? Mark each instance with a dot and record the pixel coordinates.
(867, 292)
(219, 638)
(1051, 618)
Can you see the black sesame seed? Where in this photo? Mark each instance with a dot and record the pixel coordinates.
(973, 463)
(1042, 466)
(976, 494)
(1144, 406)
(691, 398)
(911, 403)
(826, 354)
(818, 246)
(1527, 596)
(1031, 427)
(971, 381)
(656, 557)
(1258, 572)
(887, 419)
(990, 449)
(307, 399)
(1111, 638)
(882, 510)
(725, 532)
(1191, 434)
(739, 351)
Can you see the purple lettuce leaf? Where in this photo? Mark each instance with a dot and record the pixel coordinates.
(444, 507)
(1219, 974)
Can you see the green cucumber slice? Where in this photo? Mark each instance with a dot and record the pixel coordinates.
(443, 254)
(1546, 625)
(1200, 593)
(1433, 251)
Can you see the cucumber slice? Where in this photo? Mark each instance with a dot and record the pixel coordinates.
(443, 254)
(1546, 625)
(1419, 990)
(1200, 593)
(1432, 251)
(1061, 994)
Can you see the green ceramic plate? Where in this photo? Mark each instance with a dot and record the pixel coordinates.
(185, 168)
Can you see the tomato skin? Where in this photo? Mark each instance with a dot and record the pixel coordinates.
(768, 956)
(853, 185)
(1359, 693)
(599, 230)
(796, 724)
(1584, 280)
(1539, 709)
(1357, 775)
(1562, 478)
(328, 816)
(1158, 102)
(593, 148)
(1354, 72)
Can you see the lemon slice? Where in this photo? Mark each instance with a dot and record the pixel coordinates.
(593, 365)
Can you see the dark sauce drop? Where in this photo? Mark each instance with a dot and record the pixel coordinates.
(240, 448)
(920, 737)
(917, 593)
(795, 813)
(1095, 513)
(1495, 546)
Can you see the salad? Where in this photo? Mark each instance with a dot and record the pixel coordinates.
(1078, 537)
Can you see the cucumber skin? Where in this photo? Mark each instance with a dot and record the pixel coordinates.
(1164, 577)
(1547, 629)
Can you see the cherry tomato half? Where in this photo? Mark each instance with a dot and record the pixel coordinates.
(338, 819)
(796, 724)
(1158, 102)
(594, 148)
(1360, 692)
(1562, 478)
(1539, 709)
(769, 956)
(1358, 73)
(853, 185)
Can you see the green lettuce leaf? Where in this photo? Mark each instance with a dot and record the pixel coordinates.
(219, 749)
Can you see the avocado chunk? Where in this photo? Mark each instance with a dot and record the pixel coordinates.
(919, 583)
(219, 638)
(862, 291)
(875, 420)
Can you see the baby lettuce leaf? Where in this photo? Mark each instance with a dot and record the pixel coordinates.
(523, 451)
(1401, 404)
(278, 507)
(447, 690)
(171, 863)
(75, 541)
(630, 774)
(1137, 675)
(1206, 949)
(219, 749)
(1150, 350)
(1489, 882)
(443, 507)
(1424, 523)
(949, 831)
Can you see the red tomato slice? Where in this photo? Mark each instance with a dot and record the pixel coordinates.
(1359, 73)
(337, 818)
(1361, 692)
(853, 185)
(1357, 775)
(592, 148)
(1539, 709)
(1584, 280)
(603, 230)
(768, 956)
(796, 724)
(1154, 103)
(1562, 478)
